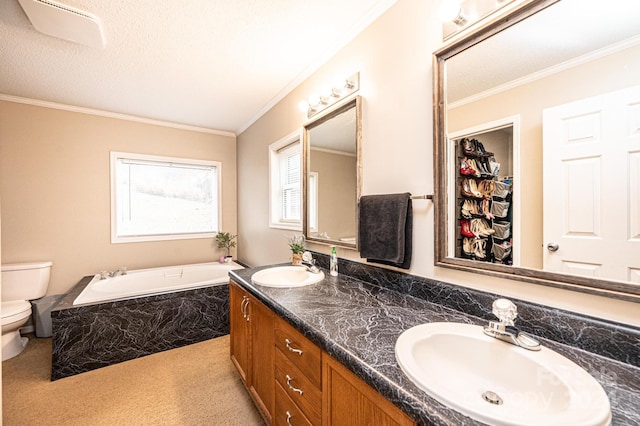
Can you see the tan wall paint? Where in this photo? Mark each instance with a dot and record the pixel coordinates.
(393, 56)
(54, 171)
(336, 193)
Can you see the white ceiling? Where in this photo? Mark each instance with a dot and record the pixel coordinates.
(216, 64)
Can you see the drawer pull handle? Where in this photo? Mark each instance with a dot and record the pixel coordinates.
(289, 418)
(294, 350)
(245, 309)
(291, 387)
(242, 307)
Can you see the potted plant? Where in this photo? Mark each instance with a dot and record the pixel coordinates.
(296, 244)
(225, 240)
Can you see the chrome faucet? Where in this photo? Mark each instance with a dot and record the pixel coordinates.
(505, 330)
(310, 263)
(120, 271)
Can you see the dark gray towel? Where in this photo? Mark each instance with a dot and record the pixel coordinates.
(385, 227)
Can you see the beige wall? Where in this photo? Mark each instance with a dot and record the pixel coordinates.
(54, 172)
(394, 59)
(336, 193)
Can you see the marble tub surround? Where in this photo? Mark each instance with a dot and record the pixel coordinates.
(86, 337)
(358, 322)
(607, 338)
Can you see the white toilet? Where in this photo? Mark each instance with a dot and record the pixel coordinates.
(21, 282)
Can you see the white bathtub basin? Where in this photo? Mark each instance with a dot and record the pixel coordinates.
(499, 383)
(286, 276)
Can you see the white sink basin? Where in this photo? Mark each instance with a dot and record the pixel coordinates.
(286, 276)
(458, 365)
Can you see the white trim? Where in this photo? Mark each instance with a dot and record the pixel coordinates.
(115, 155)
(512, 121)
(313, 201)
(274, 173)
(591, 56)
(333, 151)
(116, 115)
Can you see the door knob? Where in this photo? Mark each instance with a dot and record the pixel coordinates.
(553, 246)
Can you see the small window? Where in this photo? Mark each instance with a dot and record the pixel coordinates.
(285, 184)
(161, 198)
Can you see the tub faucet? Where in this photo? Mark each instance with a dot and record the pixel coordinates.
(505, 330)
(120, 271)
(310, 263)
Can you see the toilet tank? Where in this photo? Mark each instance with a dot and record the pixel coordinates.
(25, 281)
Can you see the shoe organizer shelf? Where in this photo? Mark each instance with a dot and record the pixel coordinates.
(483, 201)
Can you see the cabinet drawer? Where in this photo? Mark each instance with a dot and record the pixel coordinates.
(287, 414)
(299, 388)
(302, 352)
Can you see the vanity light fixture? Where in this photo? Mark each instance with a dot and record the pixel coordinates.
(329, 95)
(451, 11)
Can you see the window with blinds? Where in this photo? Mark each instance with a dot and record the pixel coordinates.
(161, 198)
(290, 184)
(285, 165)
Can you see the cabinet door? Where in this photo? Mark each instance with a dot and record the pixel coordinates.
(347, 400)
(239, 329)
(262, 376)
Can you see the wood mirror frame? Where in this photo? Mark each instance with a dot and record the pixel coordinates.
(351, 103)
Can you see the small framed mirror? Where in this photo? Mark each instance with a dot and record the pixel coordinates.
(332, 175)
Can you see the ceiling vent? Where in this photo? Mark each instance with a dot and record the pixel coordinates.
(65, 22)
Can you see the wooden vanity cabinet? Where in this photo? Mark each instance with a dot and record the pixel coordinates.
(291, 380)
(252, 342)
(298, 377)
(347, 400)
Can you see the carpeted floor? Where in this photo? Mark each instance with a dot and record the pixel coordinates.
(192, 385)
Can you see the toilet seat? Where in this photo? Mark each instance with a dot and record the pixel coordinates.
(15, 310)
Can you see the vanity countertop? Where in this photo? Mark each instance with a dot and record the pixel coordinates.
(358, 323)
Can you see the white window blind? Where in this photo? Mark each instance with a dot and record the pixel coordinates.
(290, 183)
(285, 183)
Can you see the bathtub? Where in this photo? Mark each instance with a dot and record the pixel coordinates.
(142, 282)
(103, 322)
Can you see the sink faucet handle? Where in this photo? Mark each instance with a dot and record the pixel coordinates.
(308, 257)
(505, 310)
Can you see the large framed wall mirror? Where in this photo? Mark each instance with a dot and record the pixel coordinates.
(537, 147)
(332, 175)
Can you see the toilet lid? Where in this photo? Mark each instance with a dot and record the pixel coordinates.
(14, 307)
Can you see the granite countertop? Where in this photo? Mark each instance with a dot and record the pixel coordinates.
(358, 323)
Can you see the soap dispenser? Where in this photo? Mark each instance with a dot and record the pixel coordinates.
(333, 262)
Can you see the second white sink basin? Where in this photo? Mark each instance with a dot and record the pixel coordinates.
(499, 383)
(286, 276)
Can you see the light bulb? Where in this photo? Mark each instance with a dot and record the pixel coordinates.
(303, 106)
(339, 83)
(325, 91)
(314, 99)
(449, 10)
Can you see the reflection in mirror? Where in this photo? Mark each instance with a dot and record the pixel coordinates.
(332, 183)
(566, 74)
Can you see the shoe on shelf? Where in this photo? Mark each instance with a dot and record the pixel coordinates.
(486, 188)
(486, 209)
(466, 168)
(468, 146)
(480, 149)
(473, 187)
(480, 248)
(468, 246)
(465, 228)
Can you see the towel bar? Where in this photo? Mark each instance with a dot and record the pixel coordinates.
(422, 197)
